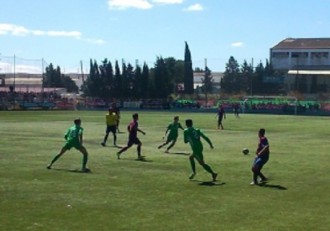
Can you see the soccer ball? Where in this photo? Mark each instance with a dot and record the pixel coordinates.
(245, 151)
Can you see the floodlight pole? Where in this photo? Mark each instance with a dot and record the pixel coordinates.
(14, 72)
(42, 79)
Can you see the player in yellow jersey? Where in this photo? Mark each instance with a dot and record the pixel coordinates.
(111, 126)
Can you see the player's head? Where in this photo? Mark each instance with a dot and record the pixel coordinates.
(261, 132)
(77, 121)
(176, 118)
(135, 116)
(110, 109)
(189, 123)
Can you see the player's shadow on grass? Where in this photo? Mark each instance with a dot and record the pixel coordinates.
(179, 153)
(209, 183)
(69, 170)
(138, 160)
(274, 186)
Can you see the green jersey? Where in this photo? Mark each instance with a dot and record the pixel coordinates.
(173, 128)
(193, 136)
(73, 134)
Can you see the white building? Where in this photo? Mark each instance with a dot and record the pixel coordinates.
(307, 58)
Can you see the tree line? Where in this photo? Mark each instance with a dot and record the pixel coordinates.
(168, 76)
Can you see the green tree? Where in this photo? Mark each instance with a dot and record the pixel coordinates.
(188, 72)
(207, 83)
(69, 84)
(107, 80)
(246, 79)
(145, 83)
(55, 79)
(93, 82)
(161, 78)
(118, 85)
(230, 81)
(52, 77)
(258, 80)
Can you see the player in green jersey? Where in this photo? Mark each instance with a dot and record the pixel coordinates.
(172, 134)
(74, 139)
(193, 137)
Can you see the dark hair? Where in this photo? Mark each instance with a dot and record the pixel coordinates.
(262, 131)
(189, 122)
(176, 117)
(77, 121)
(135, 115)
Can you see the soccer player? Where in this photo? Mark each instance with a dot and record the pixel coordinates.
(116, 110)
(172, 134)
(111, 121)
(262, 156)
(221, 115)
(74, 139)
(193, 137)
(132, 137)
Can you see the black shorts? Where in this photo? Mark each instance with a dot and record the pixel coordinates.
(112, 128)
(132, 141)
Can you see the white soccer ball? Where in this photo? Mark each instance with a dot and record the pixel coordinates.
(245, 151)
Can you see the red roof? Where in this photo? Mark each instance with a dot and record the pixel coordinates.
(303, 43)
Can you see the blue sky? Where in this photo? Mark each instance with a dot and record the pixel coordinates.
(65, 32)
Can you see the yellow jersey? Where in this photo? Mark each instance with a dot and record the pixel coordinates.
(111, 119)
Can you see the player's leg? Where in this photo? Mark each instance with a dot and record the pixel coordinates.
(200, 159)
(62, 151)
(114, 132)
(129, 144)
(171, 145)
(139, 144)
(105, 137)
(193, 166)
(262, 176)
(256, 167)
(83, 150)
(162, 145)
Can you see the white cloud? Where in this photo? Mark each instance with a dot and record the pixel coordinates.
(124, 4)
(139, 4)
(168, 1)
(17, 30)
(195, 7)
(237, 44)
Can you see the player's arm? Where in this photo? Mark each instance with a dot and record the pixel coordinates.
(185, 137)
(180, 126)
(166, 132)
(66, 135)
(81, 138)
(206, 139)
(139, 130)
(263, 150)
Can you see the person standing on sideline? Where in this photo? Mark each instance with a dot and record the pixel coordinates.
(111, 121)
(221, 115)
(132, 137)
(262, 156)
(193, 137)
(74, 139)
(172, 134)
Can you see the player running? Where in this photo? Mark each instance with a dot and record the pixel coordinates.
(74, 139)
(172, 134)
(132, 138)
(193, 137)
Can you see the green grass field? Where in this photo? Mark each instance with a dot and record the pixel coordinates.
(157, 195)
